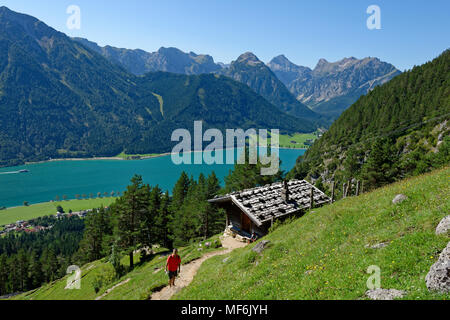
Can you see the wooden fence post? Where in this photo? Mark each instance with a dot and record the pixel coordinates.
(349, 189)
(358, 185)
(311, 200)
(332, 191)
(344, 189)
(362, 187)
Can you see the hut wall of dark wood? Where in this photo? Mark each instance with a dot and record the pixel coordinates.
(235, 217)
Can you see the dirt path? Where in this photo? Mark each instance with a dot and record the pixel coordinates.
(111, 289)
(189, 270)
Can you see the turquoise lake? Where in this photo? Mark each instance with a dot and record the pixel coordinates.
(45, 181)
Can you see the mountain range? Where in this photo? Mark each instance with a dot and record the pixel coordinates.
(328, 89)
(397, 130)
(253, 72)
(69, 97)
(331, 87)
(58, 99)
(247, 69)
(140, 62)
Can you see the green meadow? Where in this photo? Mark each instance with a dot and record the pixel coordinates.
(295, 141)
(324, 254)
(126, 156)
(12, 215)
(139, 284)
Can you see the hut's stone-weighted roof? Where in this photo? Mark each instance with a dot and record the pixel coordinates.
(262, 204)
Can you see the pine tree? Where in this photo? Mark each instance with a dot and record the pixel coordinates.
(179, 192)
(35, 271)
(148, 232)
(216, 216)
(201, 194)
(351, 164)
(130, 209)
(114, 259)
(186, 223)
(245, 176)
(22, 269)
(163, 221)
(4, 270)
(381, 165)
(51, 265)
(97, 227)
(14, 275)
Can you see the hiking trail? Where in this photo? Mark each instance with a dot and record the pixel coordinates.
(112, 288)
(189, 270)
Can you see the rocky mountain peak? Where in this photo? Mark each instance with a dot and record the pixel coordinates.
(281, 59)
(249, 58)
(322, 62)
(30, 25)
(281, 63)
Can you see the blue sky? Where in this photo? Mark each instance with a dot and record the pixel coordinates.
(412, 32)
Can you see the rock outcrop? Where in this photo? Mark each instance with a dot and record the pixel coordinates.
(378, 245)
(438, 278)
(443, 226)
(260, 246)
(385, 294)
(399, 199)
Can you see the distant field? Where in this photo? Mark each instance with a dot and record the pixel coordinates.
(297, 140)
(125, 156)
(48, 208)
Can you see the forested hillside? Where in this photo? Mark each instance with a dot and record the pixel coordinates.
(59, 99)
(218, 101)
(397, 130)
(27, 260)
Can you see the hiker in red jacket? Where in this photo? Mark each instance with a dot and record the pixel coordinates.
(173, 266)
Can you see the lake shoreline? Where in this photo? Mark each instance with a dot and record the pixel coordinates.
(97, 158)
(123, 159)
(74, 176)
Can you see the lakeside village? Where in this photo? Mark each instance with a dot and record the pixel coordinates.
(31, 227)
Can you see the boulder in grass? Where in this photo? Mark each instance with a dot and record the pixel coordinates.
(443, 226)
(438, 278)
(378, 245)
(385, 294)
(399, 199)
(260, 246)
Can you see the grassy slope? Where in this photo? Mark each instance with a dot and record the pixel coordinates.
(287, 141)
(142, 282)
(299, 138)
(12, 215)
(323, 254)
